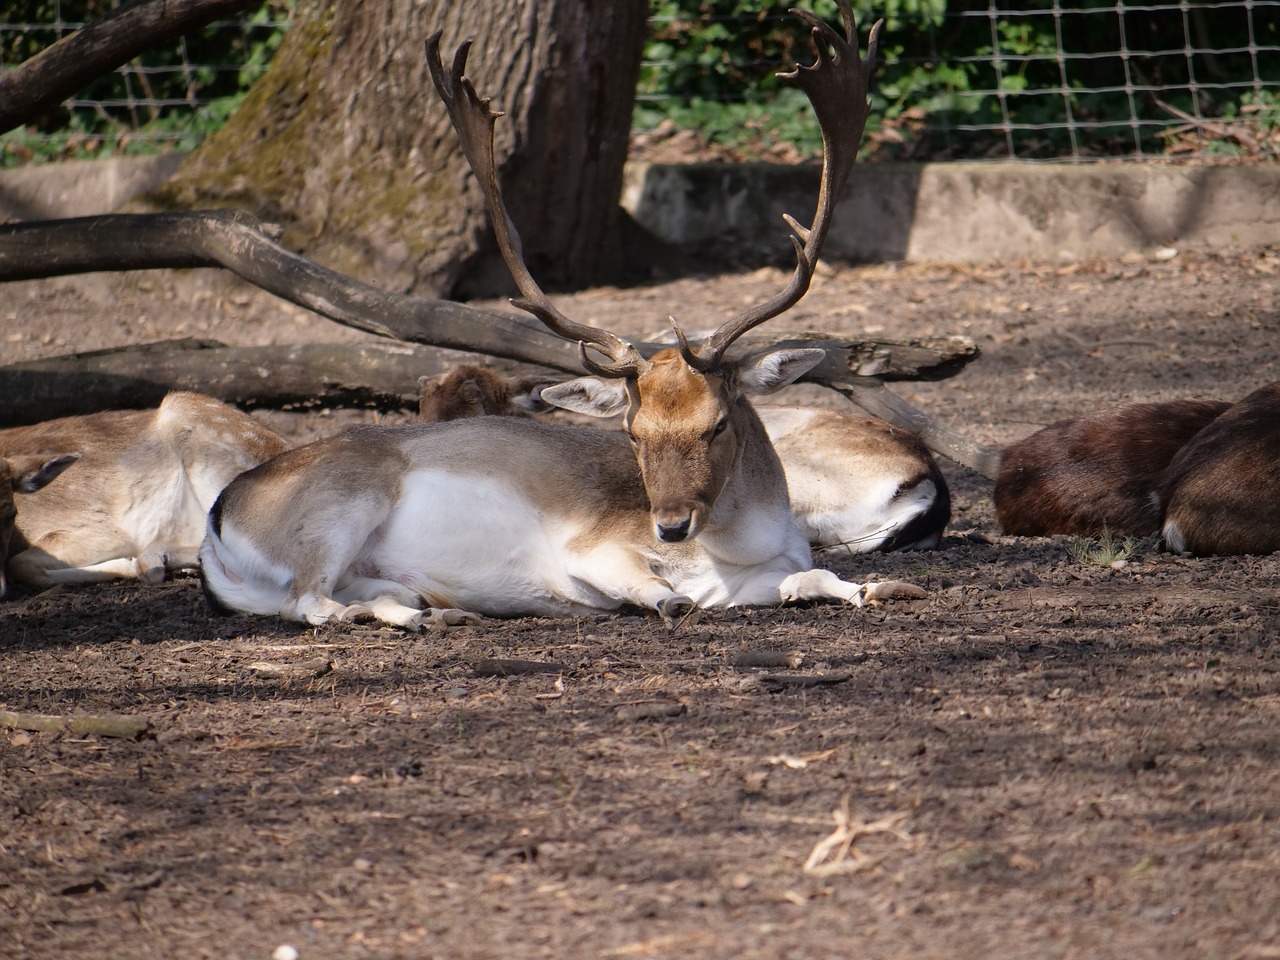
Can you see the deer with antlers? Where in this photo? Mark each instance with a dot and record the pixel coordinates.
(856, 484)
(686, 509)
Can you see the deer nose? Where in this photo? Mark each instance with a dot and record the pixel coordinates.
(674, 532)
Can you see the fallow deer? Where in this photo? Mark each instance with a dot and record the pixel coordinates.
(21, 475)
(1221, 491)
(1099, 472)
(471, 391)
(135, 503)
(510, 517)
(856, 484)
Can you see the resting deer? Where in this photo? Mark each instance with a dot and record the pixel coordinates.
(471, 391)
(1099, 472)
(856, 484)
(136, 500)
(511, 517)
(1221, 491)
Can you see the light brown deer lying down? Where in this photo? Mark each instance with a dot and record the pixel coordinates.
(856, 484)
(510, 517)
(1222, 489)
(1098, 472)
(136, 499)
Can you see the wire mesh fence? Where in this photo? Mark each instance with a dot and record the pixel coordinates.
(1017, 79)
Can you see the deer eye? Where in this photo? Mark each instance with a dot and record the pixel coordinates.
(632, 437)
(724, 422)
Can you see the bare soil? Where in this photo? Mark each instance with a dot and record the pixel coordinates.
(1052, 756)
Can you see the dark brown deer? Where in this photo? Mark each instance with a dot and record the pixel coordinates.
(509, 517)
(136, 500)
(1221, 491)
(1096, 473)
(472, 391)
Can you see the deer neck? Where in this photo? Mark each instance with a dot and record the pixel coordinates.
(752, 515)
(727, 483)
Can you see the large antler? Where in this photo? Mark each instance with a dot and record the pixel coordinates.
(837, 87)
(474, 121)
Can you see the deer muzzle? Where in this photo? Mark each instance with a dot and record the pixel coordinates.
(673, 525)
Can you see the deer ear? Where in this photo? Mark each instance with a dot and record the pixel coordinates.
(31, 473)
(776, 369)
(588, 395)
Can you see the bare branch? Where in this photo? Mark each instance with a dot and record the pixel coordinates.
(42, 82)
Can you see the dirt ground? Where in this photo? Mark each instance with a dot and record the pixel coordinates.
(1053, 756)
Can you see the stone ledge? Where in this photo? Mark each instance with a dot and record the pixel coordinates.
(956, 212)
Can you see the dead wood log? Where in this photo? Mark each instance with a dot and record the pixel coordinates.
(376, 375)
(244, 245)
(381, 376)
(105, 725)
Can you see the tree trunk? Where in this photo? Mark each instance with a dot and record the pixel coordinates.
(344, 142)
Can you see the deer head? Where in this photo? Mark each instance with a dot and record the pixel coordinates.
(685, 409)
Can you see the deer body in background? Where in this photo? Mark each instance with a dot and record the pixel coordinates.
(856, 484)
(472, 391)
(1098, 472)
(509, 516)
(1221, 491)
(135, 501)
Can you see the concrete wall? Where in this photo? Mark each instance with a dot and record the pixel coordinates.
(984, 211)
(80, 188)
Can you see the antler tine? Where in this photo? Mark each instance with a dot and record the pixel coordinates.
(473, 119)
(836, 85)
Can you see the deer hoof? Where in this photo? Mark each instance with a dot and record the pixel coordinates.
(892, 590)
(678, 610)
(449, 617)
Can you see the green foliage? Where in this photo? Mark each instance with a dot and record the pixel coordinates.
(1105, 551)
(946, 67)
(948, 78)
(170, 97)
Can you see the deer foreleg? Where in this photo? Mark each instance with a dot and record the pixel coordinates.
(825, 585)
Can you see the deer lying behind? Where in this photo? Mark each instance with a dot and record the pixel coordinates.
(1099, 472)
(136, 499)
(472, 391)
(1222, 489)
(508, 516)
(856, 484)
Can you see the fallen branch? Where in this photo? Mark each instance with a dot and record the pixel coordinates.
(297, 670)
(381, 376)
(498, 667)
(244, 245)
(104, 725)
(774, 682)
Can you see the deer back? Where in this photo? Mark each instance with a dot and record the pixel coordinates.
(1221, 491)
(142, 477)
(1084, 475)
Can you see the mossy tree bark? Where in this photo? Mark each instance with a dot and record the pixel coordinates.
(344, 143)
